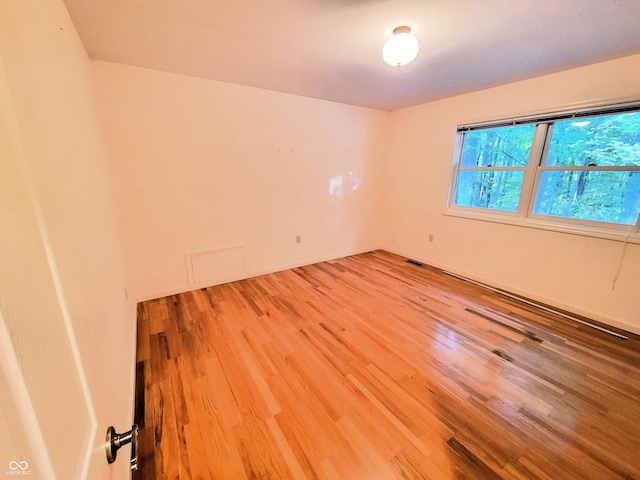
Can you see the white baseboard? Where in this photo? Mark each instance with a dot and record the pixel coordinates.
(612, 322)
(245, 275)
(508, 288)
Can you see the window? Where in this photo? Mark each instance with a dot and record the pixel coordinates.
(492, 167)
(576, 172)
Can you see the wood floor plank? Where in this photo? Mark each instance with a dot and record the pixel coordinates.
(372, 367)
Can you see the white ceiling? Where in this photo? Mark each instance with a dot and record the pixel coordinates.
(331, 49)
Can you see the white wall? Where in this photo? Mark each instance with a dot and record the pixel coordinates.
(47, 75)
(208, 165)
(204, 165)
(564, 270)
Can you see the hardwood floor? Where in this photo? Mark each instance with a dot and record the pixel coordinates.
(369, 367)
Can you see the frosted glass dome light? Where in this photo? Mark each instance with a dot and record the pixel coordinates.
(401, 48)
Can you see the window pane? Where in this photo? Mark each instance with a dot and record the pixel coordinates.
(496, 189)
(498, 147)
(610, 140)
(601, 196)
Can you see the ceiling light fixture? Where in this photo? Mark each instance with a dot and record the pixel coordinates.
(401, 48)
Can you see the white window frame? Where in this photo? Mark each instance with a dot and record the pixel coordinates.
(524, 216)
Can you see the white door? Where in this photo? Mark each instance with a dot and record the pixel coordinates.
(47, 422)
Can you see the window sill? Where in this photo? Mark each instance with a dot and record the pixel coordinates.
(621, 235)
